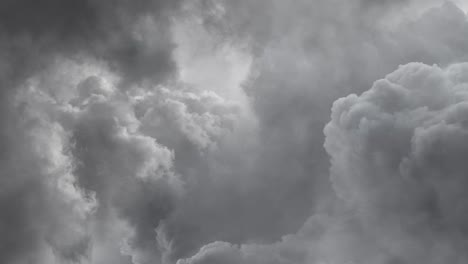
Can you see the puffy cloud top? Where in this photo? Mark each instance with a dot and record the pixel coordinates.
(397, 158)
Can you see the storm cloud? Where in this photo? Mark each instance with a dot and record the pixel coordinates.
(215, 131)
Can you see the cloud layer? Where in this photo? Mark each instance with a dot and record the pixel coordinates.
(197, 132)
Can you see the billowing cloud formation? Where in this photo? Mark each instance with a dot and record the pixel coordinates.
(149, 131)
(81, 182)
(127, 174)
(397, 158)
(44, 213)
(103, 177)
(133, 37)
(305, 57)
(355, 234)
(397, 166)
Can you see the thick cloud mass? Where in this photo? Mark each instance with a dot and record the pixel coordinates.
(103, 177)
(311, 53)
(397, 165)
(398, 159)
(211, 131)
(132, 36)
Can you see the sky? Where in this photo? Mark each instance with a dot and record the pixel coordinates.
(463, 4)
(233, 132)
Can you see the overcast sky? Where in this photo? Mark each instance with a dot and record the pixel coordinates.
(233, 132)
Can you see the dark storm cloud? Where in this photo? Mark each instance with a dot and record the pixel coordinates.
(97, 149)
(397, 166)
(397, 157)
(309, 63)
(305, 63)
(62, 18)
(109, 157)
(43, 212)
(115, 31)
(66, 150)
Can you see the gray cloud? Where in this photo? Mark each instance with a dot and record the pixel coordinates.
(121, 178)
(44, 212)
(397, 168)
(59, 194)
(120, 145)
(347, 56)
(303, 64)
(399, 162)
(122, 33)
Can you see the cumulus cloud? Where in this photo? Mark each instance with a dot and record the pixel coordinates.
(378, 220)
(397, 154)
(45, 213)
(305, 56)
(114, 167)
(397, 168)
(193, 132)
(82, 182)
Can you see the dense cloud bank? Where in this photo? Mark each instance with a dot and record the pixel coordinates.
(215, 131)
(397, 166)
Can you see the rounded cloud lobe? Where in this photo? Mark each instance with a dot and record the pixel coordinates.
(397, 158)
